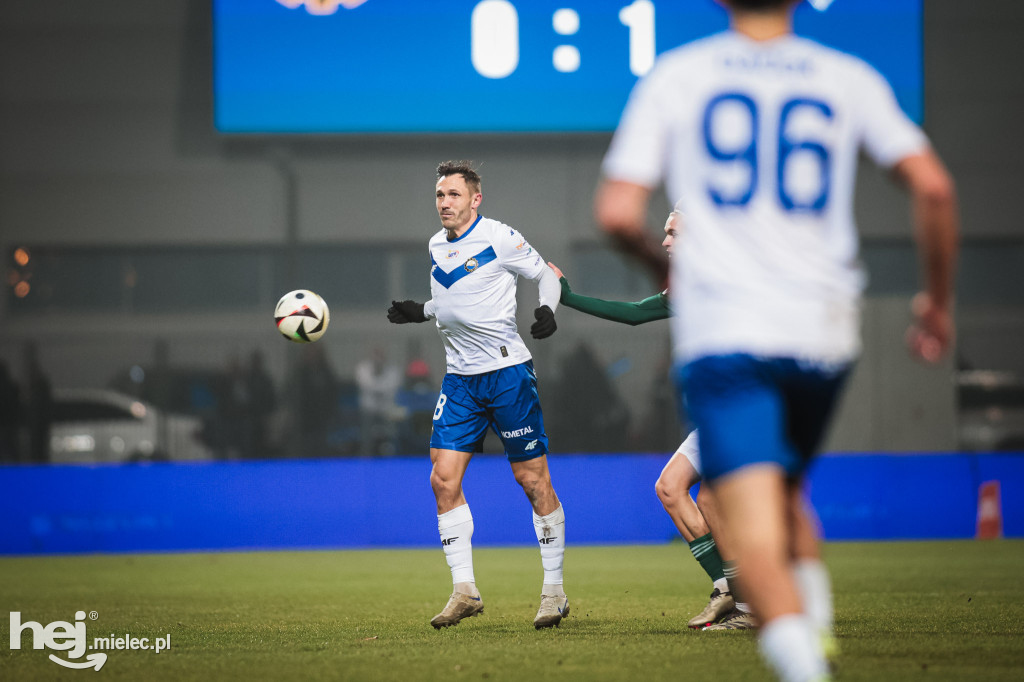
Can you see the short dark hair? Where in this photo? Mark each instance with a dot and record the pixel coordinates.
(463, 168)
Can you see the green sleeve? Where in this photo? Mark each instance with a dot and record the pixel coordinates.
(650, 309)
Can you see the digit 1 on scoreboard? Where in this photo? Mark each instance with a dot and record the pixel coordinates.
(639, 17)
(494, 38)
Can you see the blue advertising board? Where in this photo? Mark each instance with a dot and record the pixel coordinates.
(408, 66)
(352, 503)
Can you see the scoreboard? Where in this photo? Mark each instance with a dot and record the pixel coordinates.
(487, 66)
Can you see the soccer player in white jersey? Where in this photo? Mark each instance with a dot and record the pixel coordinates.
(489, 382)
(757, 131)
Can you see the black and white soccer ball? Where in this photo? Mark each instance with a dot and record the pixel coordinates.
(302, 316)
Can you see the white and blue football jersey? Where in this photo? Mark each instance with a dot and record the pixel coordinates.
(759, 141)
(473, 295)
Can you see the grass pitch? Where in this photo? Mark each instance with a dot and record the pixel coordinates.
(905, 611)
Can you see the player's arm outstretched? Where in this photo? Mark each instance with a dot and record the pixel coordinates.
(402, 312)
(631, 313)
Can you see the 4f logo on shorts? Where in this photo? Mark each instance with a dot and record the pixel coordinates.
(531, 445)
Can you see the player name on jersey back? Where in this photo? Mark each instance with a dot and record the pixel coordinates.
(759, 141)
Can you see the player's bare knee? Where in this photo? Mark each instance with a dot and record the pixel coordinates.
(530, 485)
(537, 488)
(662, 491)
(667, 490)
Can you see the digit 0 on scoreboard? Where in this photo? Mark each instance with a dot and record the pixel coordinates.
(494, 40)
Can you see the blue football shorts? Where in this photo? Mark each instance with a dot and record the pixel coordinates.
(505, 400)
(752, 410)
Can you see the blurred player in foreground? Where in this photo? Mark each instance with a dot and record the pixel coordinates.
(698, 522)
(758, 132)
(490, 382)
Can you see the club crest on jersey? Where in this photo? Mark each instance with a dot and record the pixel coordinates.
(471, 265)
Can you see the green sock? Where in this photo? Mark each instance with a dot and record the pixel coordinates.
(706, 553)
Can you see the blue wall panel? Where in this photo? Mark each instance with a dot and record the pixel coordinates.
(388, 503)
(895, 496)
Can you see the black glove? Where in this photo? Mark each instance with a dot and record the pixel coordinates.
(545, 325)
(401, 312)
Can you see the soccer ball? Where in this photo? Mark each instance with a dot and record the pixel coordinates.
(302, 316)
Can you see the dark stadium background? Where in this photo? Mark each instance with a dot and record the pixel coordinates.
(144, 251)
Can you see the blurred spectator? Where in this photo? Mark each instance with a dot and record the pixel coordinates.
(417, 370)
(243, 409)
(232, 408)
(315, 402)
(10, 416)
(39, 407)
(588, 414)
(419, 398)
(378, 381)
(262, 399)
(158, 389)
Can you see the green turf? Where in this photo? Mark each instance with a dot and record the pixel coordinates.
(905, 611)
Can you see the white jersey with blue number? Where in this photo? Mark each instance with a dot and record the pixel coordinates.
(759, 141)
(473, 288)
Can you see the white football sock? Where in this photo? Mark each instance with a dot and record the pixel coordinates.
(551, 536)
(812, 580)
(722, 585)
(456, 530)
(792, 649)
(731, 575)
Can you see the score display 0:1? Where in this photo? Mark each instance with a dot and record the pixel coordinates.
(494, 45)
